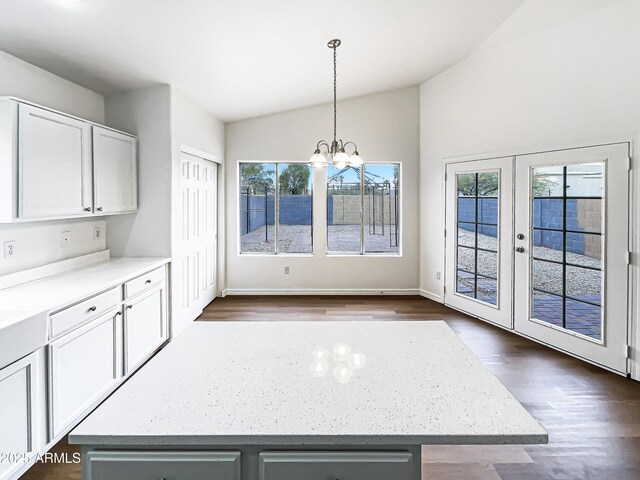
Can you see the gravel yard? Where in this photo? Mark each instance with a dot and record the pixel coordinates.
(581, 282)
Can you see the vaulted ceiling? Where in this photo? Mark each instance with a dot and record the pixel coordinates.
(243, 58)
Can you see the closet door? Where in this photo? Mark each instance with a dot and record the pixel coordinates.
(479, 209)
(54, 165)
(572, 251)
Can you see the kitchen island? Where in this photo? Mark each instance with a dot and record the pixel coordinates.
(300, 400)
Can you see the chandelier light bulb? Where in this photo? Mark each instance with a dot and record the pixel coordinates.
(340, 160)
(318, 160)
(355, 160)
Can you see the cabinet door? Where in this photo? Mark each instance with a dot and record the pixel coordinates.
(22, 416)
(54, 165)
(336, 465)
(104, 465)
(114, 171)
(83, 366)
(145, 327)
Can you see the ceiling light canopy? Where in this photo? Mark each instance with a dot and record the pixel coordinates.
(336, 152)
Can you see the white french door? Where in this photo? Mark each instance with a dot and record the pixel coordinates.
(571, 260)
(479, 213)
(198, 251)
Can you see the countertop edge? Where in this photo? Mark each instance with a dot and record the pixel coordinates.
(292, 440)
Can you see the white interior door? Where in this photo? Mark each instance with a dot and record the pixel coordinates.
(199, 234)
(571, 260)
(479, 209)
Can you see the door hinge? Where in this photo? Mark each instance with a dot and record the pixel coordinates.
(444, 289)
(445, 233)
(629, 163)
(629, 258)
(627, 351)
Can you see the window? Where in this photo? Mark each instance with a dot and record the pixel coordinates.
(276, 203)
(363, 209)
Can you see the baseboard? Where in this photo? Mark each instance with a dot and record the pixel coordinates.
(430, 295)
(320, 291)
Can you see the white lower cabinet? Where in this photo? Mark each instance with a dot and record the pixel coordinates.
(83, 366)
(110, 465)
(22, 416)
(144, 326)
(336, 465)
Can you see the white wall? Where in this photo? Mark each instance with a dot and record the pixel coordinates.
(38, 243)
(193, 126)
(575, 82)
(385, 127)
(147, 114)
(21, 79)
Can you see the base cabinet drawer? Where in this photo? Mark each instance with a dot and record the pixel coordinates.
(336, 466)
(83, 366)
(110, 465)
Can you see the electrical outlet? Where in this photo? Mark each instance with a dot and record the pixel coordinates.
(286, 270)
(437, 275)
(65, 239)
(9, 248)
(97, 233)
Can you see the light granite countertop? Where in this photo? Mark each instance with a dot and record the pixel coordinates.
(63, 289)
(312, 383)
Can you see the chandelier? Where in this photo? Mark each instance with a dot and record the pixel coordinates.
(335, 153)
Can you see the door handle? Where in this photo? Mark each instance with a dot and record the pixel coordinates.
(520, 249)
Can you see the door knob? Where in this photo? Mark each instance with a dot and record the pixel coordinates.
(520, 249)
(520, 236)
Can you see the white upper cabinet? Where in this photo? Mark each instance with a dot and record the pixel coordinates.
(54, 165)
(114, 171)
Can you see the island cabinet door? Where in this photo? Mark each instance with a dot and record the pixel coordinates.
(337, 465)
(111, 465)
(145, 327)
(84, 365)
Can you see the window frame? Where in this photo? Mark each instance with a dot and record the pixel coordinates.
(276, 208)
(363, 252)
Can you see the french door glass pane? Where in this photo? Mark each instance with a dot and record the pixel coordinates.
(257, 207)
(477, 207)
(566, 265)
(295, 182)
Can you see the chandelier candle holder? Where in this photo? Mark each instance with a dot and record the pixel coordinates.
(335, 153)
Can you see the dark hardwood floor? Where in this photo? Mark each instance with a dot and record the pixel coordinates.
(592, 416)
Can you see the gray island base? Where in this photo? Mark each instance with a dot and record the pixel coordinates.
(300, 401)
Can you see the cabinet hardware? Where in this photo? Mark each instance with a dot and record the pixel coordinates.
(99, 209)
(87, 209)
(92, 309)
(118, 314)
(129, 307)
(148, 281)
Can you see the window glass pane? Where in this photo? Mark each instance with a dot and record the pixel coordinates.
(467, 234)
(381, 215)
(257, 202)
(547, 181)
(487, 264)
(467, 259)
(466, 183)
(585, 250)
(547, 308)
(584, 318)
(466, 209)
(584, 284)
(487, 290)
(585, 180)
(465, 284)
(548, 213)
(548, 245)
(295, 208)
(547, 276)
(584, 214)
(488, 184)
(343, 210)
